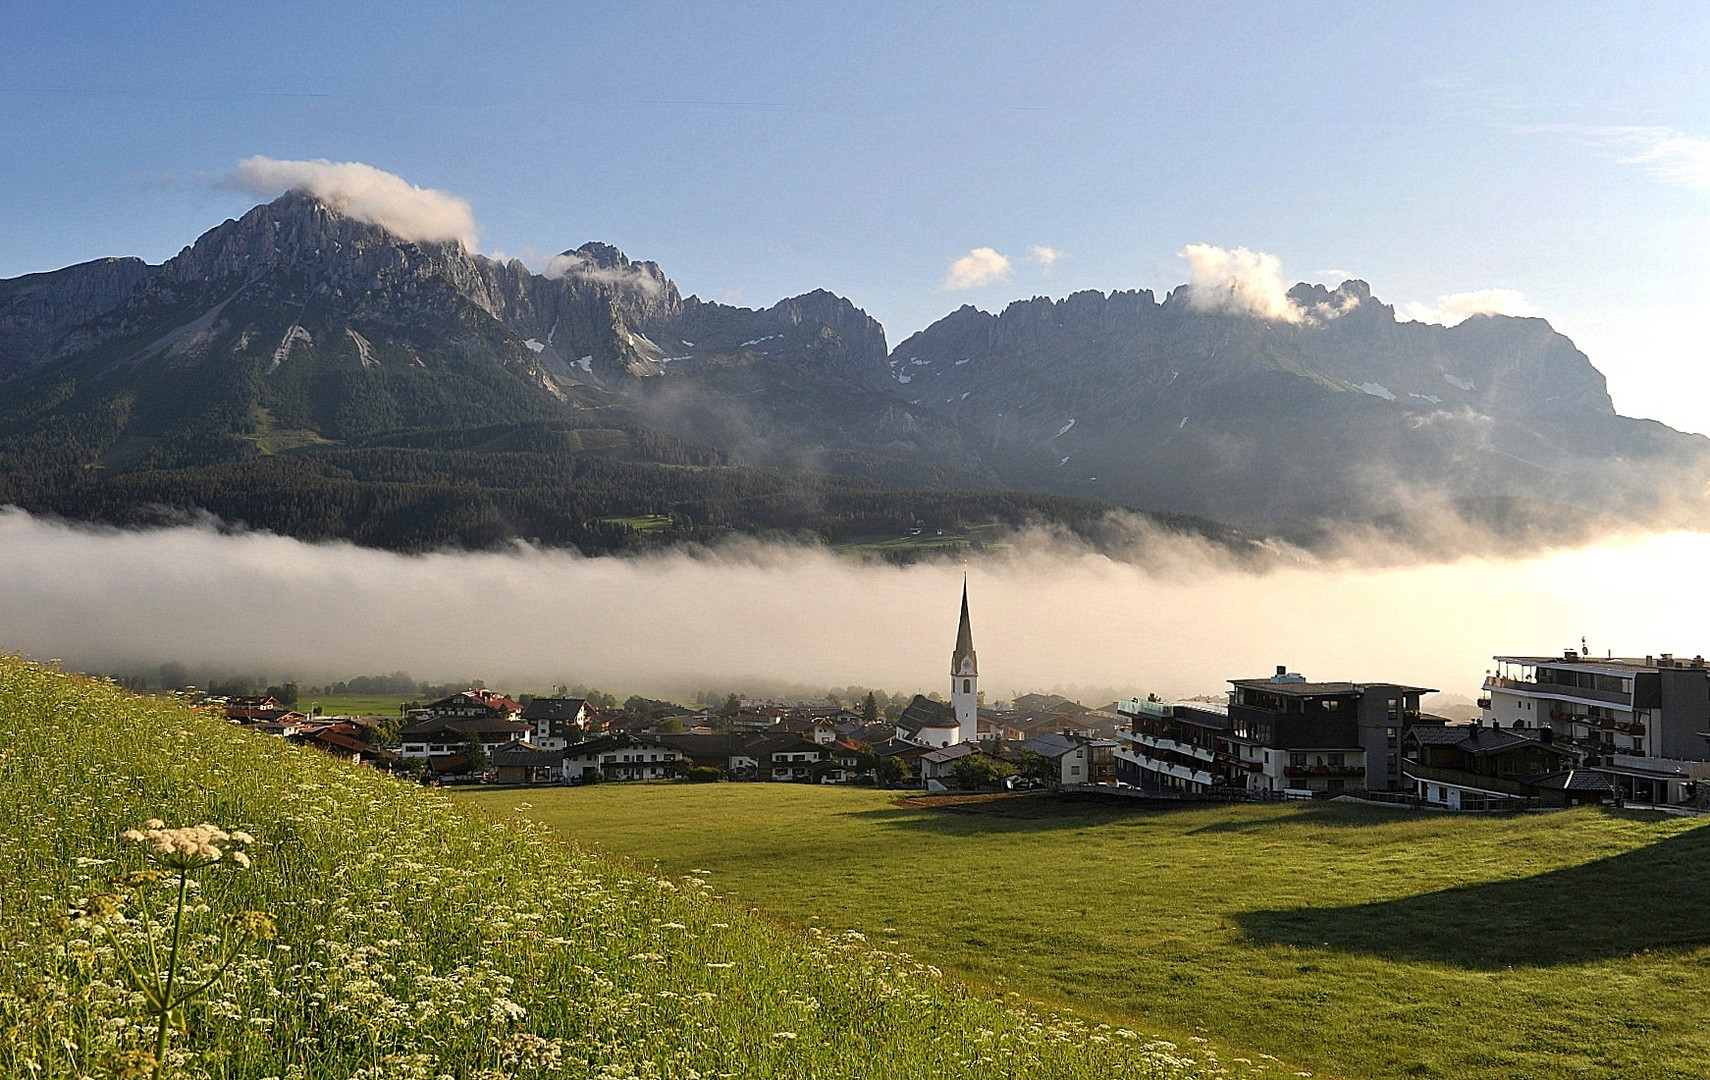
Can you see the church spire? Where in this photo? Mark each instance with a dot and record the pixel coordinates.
(962, 661)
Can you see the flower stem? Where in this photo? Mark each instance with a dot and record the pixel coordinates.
(171, 972)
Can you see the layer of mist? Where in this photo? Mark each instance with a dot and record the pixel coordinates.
(1179, 620)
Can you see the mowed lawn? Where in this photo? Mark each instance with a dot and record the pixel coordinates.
(1346, 941)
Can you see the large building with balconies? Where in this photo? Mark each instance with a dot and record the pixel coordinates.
(1642, 722)
(1323, 737)
(1178, 746)
(1276, 735)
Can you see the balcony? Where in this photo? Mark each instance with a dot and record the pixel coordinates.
(1344, 771)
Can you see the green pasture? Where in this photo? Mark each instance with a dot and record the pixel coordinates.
(354, 704)
(416, 941)
(1348, 941)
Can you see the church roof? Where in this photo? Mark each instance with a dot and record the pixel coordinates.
(923, 713)
(964, 639)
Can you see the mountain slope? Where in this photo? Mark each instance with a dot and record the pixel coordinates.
(1288, 425)
(300, 370)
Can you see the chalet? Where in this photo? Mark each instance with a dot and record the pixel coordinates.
(431, 738)
(622, 757)
(905, 751)
(1076, 759)
(520, 763)
(938, 766)
(812, 728)
(343, 741)
(558, 722)
(787, 757)
(843, 762)
(244, 709)
(1474, 767)
(472, 704)
(929, 723)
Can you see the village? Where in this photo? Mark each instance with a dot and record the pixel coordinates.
(1552, 731)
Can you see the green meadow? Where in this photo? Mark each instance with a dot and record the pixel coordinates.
(408, 938)
(1345, 941)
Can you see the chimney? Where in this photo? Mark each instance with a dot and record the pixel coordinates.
(1548, 734)
(1282, 669)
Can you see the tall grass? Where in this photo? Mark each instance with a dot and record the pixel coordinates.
(417, 941)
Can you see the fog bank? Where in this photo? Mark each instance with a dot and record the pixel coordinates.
(1048, 615)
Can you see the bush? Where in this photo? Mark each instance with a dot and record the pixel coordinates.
(702, 774)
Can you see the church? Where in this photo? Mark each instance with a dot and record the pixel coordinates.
(939, 723)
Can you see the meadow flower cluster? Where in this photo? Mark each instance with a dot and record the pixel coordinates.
(405, 939)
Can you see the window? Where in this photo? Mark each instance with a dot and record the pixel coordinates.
(1297, 760)
(1074, 770)
(967, 685)
(1336, 760)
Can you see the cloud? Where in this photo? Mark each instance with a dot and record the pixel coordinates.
(1240, 281)
(419, 215)
(981, 266)
(1043, 614)
(1456, 308)
(574, 265)
(1046, 257)
(1667, 154)
(1334, 277)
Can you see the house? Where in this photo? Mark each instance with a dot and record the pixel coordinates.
(907, 752)
(938, 766)
(812, 728)
(520, 763)
(472, 704)
(1076, 759)
(558, 722)
(245, 709)
(1474, 767)
(844, 763)
(621, 757)
(1640, 721)
(787, 757)
(430, 738)
(343, 741)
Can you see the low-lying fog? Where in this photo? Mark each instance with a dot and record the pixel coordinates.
(1046, 616)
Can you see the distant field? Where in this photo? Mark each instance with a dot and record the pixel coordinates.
(1347, 941)
(354, 704)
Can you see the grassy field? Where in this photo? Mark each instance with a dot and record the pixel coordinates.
(415, 941)
(1347, 941)
(355, 704)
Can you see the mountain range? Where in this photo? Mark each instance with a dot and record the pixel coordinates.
(303, 371)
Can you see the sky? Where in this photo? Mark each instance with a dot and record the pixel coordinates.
(915, 157)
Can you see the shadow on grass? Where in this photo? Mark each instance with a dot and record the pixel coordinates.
(1309, 814)
(1029, 813)
(1650, 899)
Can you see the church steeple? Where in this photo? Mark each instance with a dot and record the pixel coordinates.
(964, 676)
(963, 661)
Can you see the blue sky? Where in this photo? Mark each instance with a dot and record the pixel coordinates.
(1560, 150)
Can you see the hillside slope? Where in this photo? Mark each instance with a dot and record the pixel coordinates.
(416, 941)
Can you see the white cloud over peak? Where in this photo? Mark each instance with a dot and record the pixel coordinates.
(1241, 282)
(1456, 308)
(1667, 154)
(416, 214)
(981, 266)
(1046, 257)
(575, 265)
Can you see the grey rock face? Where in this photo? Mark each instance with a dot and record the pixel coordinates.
(37, 311)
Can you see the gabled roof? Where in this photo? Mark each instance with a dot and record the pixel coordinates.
(1052, 746)
(1572, 780)
(606, 743)
(484, 725)
(554, 708)
(514, 754)
(1477, 739)
(896, 747)
(950, 753)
